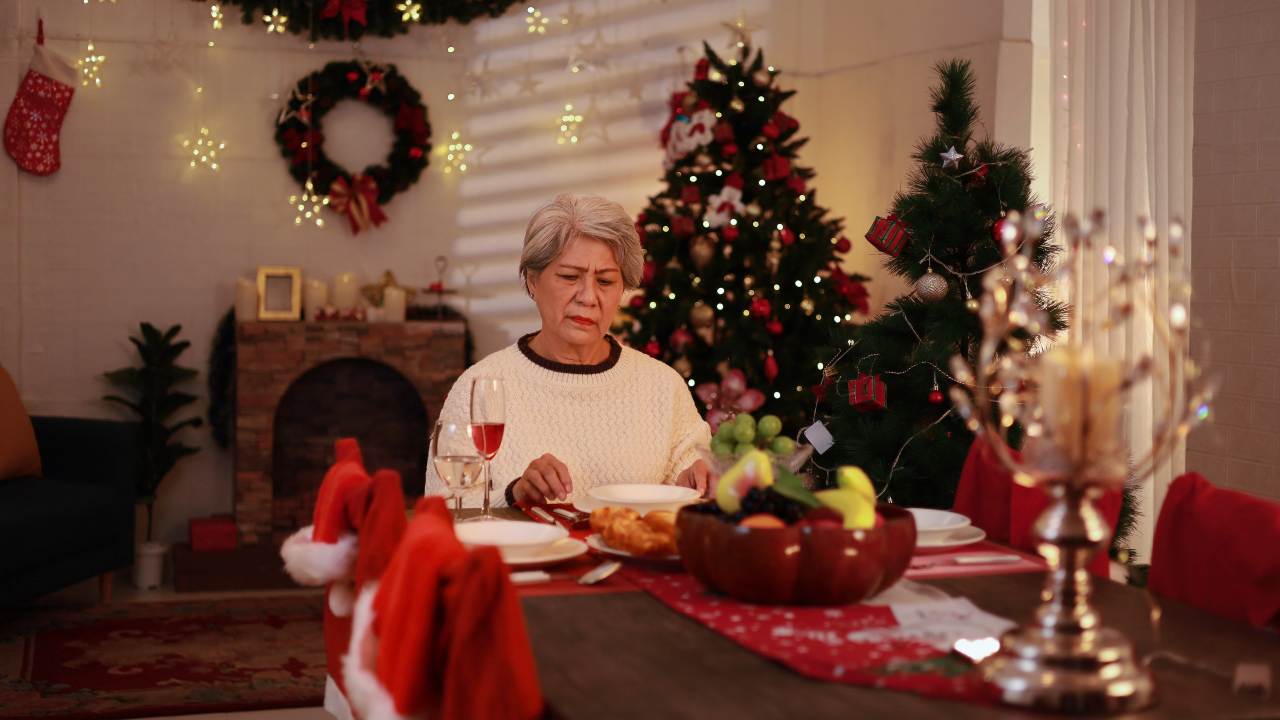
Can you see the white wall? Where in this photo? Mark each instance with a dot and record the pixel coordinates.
(126, 233)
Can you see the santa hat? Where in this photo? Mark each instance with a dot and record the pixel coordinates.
(441, 633)
(324, 552)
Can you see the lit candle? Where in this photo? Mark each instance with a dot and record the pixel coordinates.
(1082, 406)
(314, 296)
(246, 300)
(346, 293)
(393, 305)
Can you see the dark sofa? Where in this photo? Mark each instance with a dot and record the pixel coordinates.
(76, 521)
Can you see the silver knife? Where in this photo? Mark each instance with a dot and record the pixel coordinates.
(542, 515)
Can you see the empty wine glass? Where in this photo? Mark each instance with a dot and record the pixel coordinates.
(455, 459)
(488, 419)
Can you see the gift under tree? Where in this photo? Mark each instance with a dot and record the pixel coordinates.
(742, 279)
(885, 400)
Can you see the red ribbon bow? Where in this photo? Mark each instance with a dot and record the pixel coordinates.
(348, 9)
(358, 200)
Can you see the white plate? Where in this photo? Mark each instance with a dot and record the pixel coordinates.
(515, 538)
(959, 537)
(933, 522)
(558, 551)
(641, 497)
(597, 543)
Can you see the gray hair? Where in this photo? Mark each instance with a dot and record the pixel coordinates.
(568, 216)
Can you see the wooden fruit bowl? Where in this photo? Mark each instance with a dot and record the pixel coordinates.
(798, 564)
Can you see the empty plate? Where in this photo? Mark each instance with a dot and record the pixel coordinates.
(959, 537)
(514, 538)
(558, 551)
(642, 497)
(929, 521)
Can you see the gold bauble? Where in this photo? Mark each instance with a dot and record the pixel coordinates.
(701, 251)
(931, 287)
(701, 315)
(748, 281)
(762, 77)
(736, 105)
(683, 366)
(807, 306)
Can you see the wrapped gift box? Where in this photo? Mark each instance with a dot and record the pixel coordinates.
(212, 533)
(868, 392)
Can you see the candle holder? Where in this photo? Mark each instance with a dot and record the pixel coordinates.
(1068, 402)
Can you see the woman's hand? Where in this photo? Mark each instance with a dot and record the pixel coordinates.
(697, 476)
(546, 479)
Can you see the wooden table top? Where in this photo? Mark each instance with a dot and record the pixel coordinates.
(629, 656)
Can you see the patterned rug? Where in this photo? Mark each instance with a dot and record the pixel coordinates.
(173, 658)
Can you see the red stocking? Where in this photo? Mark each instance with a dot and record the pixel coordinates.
(35, 117)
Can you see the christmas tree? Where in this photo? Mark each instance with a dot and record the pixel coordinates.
(885, 399)
(742, 285)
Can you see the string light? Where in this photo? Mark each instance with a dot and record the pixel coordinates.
(409, 11)
(91, 67)
(536, 21)
(308, 205)
(456, 156)
(204, 150)
(215, 13)
(275, 21)
(569, 122)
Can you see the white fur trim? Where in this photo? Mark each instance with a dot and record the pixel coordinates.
(52, 65)
(342, 597)
(315, 563)
(368, 698)
(335, 703)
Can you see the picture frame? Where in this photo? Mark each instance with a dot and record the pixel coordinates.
(279, 293)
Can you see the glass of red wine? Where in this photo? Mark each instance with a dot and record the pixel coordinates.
(488, 418)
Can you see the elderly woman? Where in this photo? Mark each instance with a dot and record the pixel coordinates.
(582, 410)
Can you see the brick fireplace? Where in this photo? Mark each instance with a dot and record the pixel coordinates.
(299, 386)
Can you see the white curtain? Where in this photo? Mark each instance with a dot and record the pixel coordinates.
(1122, 74)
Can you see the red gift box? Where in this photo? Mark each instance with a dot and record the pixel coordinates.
(212, 533)
(888, 235)
(868, 392)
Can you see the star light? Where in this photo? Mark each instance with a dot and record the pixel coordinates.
(536, 21)
(409, 11)
(951, 158)
(456, 153)
(91, 67)
(275, 21)
(204, 149)
(215, 14)
(569, 122)
(741, 30)
(308, 205)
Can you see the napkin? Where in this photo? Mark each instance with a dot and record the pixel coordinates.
(1006, 510)
(441, 633)
(1217, 550)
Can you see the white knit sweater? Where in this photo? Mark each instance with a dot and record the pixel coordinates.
(634, 422)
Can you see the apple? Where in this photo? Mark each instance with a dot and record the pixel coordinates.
(761, 520)
(752, 470)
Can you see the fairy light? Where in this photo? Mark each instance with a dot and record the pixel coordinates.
(569, 122)
(450, 97)
(536, 21)
(276, 23)
(308, 205)
(91, 67)
(409, 11)
(456, 153)
(204, 150)
(215, 14)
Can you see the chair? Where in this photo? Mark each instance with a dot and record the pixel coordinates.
(1218, 550)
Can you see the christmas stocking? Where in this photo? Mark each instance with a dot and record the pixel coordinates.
(35, 117)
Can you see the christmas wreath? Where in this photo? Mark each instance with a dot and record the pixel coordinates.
(358, 196)
(353, 19)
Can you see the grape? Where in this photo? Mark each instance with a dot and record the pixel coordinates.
(745, 420)
(783, 445)
(722, 448)
(768, 428)
(744, 433)
(742, 448)
(725, 431)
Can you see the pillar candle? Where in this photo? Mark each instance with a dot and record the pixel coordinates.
(1082, 407)
(246, 300)
(393, 305)
(315, 293)
(346, 294)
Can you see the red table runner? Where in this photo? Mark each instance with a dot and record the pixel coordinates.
(896, 646)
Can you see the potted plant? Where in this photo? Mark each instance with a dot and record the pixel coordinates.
(154, 400)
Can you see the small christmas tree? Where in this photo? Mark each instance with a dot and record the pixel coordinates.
(742, 267)
(886, 399)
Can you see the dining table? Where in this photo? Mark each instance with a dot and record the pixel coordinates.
(627, 655)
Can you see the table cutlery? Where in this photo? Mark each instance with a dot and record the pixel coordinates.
(973, 559)
(542, 515)
(590, 577)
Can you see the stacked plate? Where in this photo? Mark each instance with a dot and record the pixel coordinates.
(522, 543)
(942, 529)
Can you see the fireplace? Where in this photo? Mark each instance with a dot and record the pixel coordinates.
(299, 386)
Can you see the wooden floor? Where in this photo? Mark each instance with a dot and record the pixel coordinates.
(123, 591)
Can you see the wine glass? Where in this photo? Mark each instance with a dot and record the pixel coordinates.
(488, 418)
(455, 458)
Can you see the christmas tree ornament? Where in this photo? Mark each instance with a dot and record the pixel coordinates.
(762, 78)
(888, 234)
(748, 282)
(931, 287)
(702, 317)
(683, 366)
(761, 308)
(935, 395)
(308, 205)
(979, 175)
(770, 367)
(969, 303)
(679, 340)
(951, 158)
(701, 252)
(773, 327)
(34, 122)
(1006, 234)
(868, 392)
(652, 348)
(807, 305)
(843, 245)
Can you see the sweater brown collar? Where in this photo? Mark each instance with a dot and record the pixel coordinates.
(615, 351)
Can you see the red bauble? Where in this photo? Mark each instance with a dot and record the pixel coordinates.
(682, 226)
(796, 183)
(690, 194)
(998, 230)
(723, 132)
(647, 275)
(652, 348)
(729, 233)
(353, 76)
(415, 152)
(786, 236)
(843, 245)
(770, 368)
(679, 340)
(761, 308)
(701, 69)
(637, 301)
(729, 149)
(773, 327)
(935, 396)
(734, 180)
